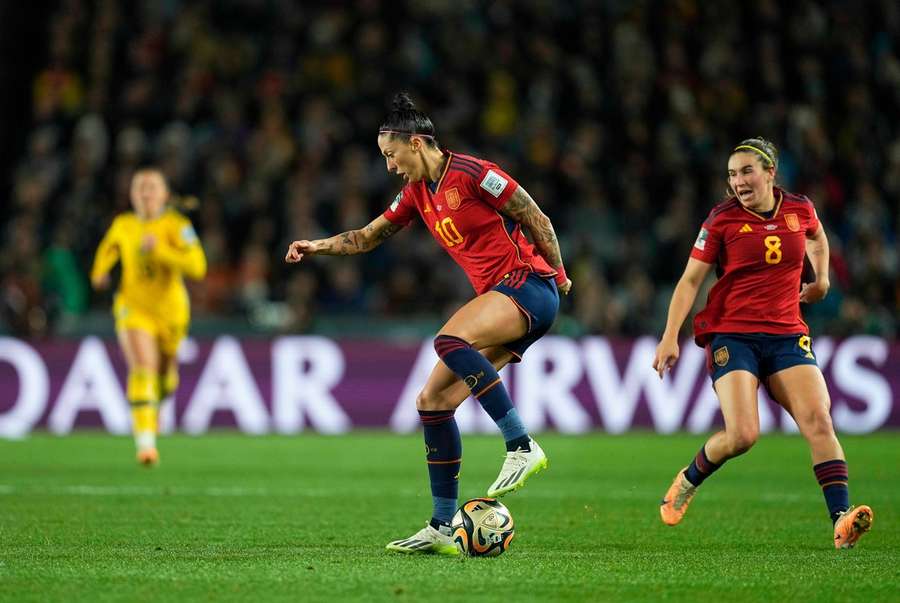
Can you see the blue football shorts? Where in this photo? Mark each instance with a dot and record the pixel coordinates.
(759, 353)
(537, 298)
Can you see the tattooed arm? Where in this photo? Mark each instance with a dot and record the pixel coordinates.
(522, 208)
(351, 242)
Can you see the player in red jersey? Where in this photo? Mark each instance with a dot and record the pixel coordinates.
(477, 213)
(753, 332)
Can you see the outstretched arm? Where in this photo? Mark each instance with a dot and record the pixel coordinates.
(522, 208)
(361, 240)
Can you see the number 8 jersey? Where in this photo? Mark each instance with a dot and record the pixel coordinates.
(759, 262)
(462, 211)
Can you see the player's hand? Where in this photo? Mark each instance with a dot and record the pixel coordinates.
(565, 287)
(815, 291)
(148, 243)
(666, 356)
(100, 283)
(298, 249)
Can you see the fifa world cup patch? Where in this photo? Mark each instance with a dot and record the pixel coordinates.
(188, 234)
(792, 221)
(700, 243)
(453, 199)
(494, 183)
(720, 356)
(397, 200)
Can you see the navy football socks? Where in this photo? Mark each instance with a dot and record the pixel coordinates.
(486, 386)
(444, 456)
(700, 468)
(833, 478)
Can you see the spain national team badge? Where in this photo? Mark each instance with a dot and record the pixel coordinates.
(792, 221)
(453, 200)
(721, 356)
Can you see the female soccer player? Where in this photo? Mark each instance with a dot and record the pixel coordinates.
(156, 246)
(476, 212)
(753, 332)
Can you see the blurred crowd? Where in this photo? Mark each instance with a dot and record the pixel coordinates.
(616, 116)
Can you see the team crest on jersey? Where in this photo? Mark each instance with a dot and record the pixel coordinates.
(700, 243)
(721, 356)
(452, 197)
(792, 221)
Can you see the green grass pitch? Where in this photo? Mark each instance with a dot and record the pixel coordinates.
(306, 518)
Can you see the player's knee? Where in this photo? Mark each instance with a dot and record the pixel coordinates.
(817, 424)
(741, 440)
(429, 401)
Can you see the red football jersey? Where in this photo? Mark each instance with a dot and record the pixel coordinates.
(463, 215)
(758, 261)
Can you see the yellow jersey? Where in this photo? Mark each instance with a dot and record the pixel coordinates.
(152, 281)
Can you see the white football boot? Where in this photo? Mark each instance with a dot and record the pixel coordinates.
(518, 466)
(426, 540)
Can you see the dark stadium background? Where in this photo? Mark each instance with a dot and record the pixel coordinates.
(616, 116)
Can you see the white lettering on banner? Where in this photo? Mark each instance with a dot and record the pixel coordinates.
(543, 392)
(226, 384)
(304, 371)
(91, 385)
(617, 398)
(668, 398)
(470, 417)
(705, 408)
(34, 388)
(862, 383)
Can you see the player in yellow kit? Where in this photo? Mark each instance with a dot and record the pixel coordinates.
(157, 246)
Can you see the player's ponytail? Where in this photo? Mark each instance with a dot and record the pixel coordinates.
(404, 120)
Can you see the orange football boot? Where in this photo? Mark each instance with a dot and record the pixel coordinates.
(851, 525)
(677, 499)
(148, 457)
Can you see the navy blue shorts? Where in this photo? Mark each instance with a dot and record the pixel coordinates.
(537, 299)
(760, 353)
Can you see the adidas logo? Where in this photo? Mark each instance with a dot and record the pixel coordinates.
(746, 228)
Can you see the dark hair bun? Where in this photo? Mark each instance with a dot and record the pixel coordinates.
(402, 102)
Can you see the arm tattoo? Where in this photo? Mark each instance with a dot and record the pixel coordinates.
(358, 241)
(522, 208)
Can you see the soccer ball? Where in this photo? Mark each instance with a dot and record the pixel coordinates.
(482, 527)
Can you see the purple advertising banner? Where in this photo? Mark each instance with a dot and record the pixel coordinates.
(296, 383)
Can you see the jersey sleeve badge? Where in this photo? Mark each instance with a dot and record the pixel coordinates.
(397, 201)
(188, 234)
(494, 183)
(700, 243)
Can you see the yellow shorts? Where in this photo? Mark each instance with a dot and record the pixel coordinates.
(168, 333)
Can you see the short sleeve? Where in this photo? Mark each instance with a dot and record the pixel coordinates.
(709, 241)
(812, 225)
(495, 186)
(402, 209)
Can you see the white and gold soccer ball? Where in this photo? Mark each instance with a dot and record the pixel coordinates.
(482, 527)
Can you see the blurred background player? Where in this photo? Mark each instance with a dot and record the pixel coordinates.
(753, 332)
(156, 246)
(476, 212)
